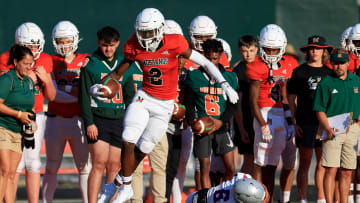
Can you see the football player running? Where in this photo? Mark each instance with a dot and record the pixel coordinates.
(147, 117)
(273, 131)
(64, 112)
(241, 189)
(30, 35)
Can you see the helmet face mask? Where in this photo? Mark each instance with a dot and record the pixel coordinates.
(201, 29)
(247, 190)
(272, 37)
(64, 46)
(149, 27)
(354, 38)
(30, 35)
(65, 37)
(344, 40)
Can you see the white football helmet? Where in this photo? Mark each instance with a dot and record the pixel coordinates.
(345, 38)
(149, 27)
(248, 190)
(355, 36)
(172, 27)
(30, 34)
(227, 48)
(272, 36)
(65, 29)
(201, 26)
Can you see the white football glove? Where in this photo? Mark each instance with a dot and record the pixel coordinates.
(229, 92)
(266, 134)
(94, 91)
(291, 132)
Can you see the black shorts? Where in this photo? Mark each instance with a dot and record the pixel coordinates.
(308, 139)
(219, 143)
(242, 147)
(109, 131)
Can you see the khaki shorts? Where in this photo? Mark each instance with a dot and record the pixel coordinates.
(10, 140)
(341, 152)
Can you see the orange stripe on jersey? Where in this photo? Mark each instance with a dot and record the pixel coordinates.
(67, 74)
(160, 68)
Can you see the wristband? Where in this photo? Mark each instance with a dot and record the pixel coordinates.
(18, 114)
(287, 114)
(68, 88)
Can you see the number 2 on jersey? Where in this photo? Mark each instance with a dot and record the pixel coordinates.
(155, 76)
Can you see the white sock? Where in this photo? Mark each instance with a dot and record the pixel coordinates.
(357, 198)
(321, 201)
(284, 196)
(303, 201)
(351, 199)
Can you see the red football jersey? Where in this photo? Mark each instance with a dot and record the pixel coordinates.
(223, 61)
(353, 63)
(293, 63)
(270, 92)
(67, 74)
(45, 61)
(160, 68)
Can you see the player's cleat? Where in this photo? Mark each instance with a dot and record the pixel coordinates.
(107, 192)
(125, 194)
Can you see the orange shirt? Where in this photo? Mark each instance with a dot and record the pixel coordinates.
(353, 63)
(66, 74)
(269, 93)
(45, 61)
(160, 68)
(293, 63)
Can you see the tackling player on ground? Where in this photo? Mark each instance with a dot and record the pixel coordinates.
(240, 189)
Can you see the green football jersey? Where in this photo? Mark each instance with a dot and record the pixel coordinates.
(209, 100)
(18, 94)
(97, 68)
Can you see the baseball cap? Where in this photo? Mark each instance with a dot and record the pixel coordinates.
(339, 57)
(317, 41)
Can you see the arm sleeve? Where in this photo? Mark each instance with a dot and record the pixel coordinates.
(209, 67)
(188, 102)
(84, 97)
(229, 112)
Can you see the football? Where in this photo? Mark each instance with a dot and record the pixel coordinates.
(179, 112)
(202, 125)
(110, 88)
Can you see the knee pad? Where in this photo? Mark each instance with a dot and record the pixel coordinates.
(145, 147)
(131, 134)
(33, 166)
